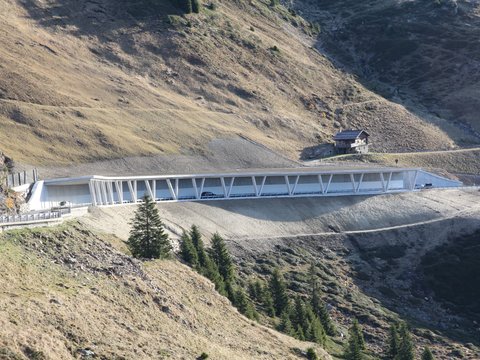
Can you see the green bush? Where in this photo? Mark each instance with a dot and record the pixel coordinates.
(311, 354)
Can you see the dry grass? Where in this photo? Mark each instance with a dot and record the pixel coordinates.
(81, 82)
(464, 161)
(66, 289)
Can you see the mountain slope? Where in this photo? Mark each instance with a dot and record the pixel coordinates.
(87, 80)
(424, 53)
(67, 292)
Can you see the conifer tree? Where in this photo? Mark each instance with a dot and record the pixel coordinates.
(321, 311)
(355, 345)
(405, 350)
(278, 290)
(252, 291)
(243, 304)
(285, 325)
(299, 316)
(299, 334)
(312, 276)
(267, 300)
(199, 246)
(258, 287)
(196, 6)
(427, 354)
(311, 354)
(222, 258)
(356, 331)
(210, 270)
(187, 251)
(393, 343)
(147, 237)
(317, 333)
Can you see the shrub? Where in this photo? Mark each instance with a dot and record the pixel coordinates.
(275, 48)
(311, 354)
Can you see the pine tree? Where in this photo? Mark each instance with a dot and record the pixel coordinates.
(353, 350)
(188, 252)
(393, 343)
(257, 288)
(405, 350)
(147, 237)
(321, 311)
(299, 334)
(186, 6)
(206, 266)
(427, 354)
(317, 333)
(279, 292)
(311, 354)
(210, 270)
(299, 316)
(243, 304)
(285, 325)
(199, 246)
(356, 332)
(252, 291)
(267, 300)
(312, 276)
(196, 6)
(222, 258)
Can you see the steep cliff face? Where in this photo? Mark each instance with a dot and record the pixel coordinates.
(84, 80)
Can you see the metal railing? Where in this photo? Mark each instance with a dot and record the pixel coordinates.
(34, 217)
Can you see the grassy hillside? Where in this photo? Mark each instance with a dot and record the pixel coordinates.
(68, 294)
(464, 161)
(83, 80)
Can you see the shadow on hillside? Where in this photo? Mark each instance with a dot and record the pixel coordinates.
(416, 63)
(288, 209)
(118, 21)
(391, 272)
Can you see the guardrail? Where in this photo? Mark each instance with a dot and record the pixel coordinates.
(33, 217)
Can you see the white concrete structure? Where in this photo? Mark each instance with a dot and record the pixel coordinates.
(102, 190)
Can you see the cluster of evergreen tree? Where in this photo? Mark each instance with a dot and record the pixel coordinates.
(356, 343)
(302, 318)
(216, 264)
(400, 345)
